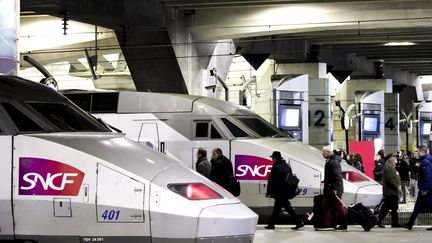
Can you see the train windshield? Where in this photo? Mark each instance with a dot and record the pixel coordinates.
(65, 118)
(260, 127)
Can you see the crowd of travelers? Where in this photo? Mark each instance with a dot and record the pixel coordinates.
(398, 173)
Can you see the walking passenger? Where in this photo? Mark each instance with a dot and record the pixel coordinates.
(402, 167)
(391, 185)
(203, 166)
(379, 165)
(333, 189)
(222, 169)
(277, 189)
(413, 171)
(424, 198)
(358, 162)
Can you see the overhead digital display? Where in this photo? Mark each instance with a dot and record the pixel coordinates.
(289, 116)
(371, 124)
(426, 128)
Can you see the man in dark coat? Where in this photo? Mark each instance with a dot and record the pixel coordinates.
(379, 165)
(413, 168)
(277, 189)
(203, 166)
(424, 177)
(333, 188)
(402, 166)
(222, 169)
(391, 191)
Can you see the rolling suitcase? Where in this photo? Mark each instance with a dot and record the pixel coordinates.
(321, 215)
(363, 215)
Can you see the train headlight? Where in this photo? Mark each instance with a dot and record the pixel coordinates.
(353, 176)
(194, 191)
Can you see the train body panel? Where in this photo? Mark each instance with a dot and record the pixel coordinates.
(6, 222)
(114, 198)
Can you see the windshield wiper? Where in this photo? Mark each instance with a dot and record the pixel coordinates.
(103, 123)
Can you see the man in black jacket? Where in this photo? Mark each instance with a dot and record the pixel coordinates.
(277, 189)
(333, 188)
(379, 165)
(222, 169)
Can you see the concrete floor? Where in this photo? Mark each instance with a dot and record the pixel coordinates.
(355, 234)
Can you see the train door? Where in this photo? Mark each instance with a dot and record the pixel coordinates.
(149, 135)
(120, 198)
(6, 220)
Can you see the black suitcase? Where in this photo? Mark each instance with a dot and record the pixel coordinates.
(363, 215)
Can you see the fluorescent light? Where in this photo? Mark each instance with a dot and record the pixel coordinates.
(405, 43)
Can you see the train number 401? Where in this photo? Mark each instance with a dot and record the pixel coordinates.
(111, 214)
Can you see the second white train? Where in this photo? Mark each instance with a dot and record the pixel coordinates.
(178, 125)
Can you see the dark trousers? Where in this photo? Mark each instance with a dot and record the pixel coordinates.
(337, 211)
(277, 208)
(390, 203)
(421, 206)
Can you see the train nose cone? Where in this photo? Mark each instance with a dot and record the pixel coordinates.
(227, 223)
(369, 195)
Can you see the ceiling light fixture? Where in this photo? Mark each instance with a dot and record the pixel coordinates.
(405, 43)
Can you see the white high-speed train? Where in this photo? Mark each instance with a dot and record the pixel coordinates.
(180, 124)
(67, 178)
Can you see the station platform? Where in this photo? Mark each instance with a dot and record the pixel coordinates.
(354, 234)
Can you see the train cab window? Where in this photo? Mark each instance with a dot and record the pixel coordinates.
(66, 118)
(206, 130)
(214, 134)
(259, 127)
(235, 130)
(201, 129)
(22, 121)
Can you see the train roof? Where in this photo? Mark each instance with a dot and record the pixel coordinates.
(16, 88)
(28, 107)
(146, 102)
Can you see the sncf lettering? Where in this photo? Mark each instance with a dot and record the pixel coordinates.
(44, 177)
(254, 171)
(55, 181)
(249, 167)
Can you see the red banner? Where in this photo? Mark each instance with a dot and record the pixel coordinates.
(367, 151)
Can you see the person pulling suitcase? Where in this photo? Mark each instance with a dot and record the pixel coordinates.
(333, 189)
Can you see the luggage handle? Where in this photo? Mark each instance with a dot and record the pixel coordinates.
(340, 200)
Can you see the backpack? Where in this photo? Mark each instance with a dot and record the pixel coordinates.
(235, 188)
(291, 183)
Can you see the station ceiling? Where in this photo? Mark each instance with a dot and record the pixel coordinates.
(396, 31)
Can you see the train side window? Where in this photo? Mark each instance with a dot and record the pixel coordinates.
(201, 129)
(214, 134)
(22, 121)
(235, 130)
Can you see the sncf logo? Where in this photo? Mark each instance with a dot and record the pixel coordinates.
(249, 167)
(48, 178)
